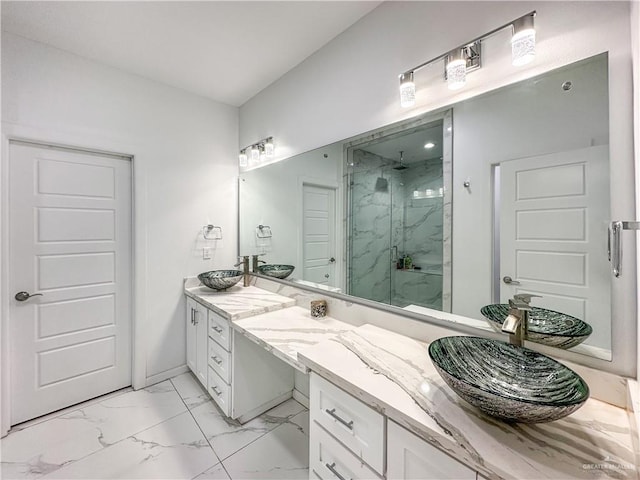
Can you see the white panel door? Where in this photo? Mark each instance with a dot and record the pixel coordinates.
(319, 226)
(553, 234)
(69, 242)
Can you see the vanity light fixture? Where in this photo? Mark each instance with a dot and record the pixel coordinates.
(523, 41)
(456, 69)
(269, 148)
(466, 58)
(257, 153)
(407, 90)
(242, 158)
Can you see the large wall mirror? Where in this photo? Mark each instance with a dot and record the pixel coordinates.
(452, 213)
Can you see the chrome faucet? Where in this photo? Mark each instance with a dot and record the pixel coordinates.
(245, 269)
(256, 261)
(517, 322)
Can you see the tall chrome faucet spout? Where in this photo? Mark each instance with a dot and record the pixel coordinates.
(517, 322)
(246, 281)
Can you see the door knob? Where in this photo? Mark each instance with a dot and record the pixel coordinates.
(509, 281)
(22, 296)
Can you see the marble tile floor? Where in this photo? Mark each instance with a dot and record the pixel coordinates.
(171, 430)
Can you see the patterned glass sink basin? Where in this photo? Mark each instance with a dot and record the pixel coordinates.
(277, 271)
(220, 279)
(512, 383)
(545, 326)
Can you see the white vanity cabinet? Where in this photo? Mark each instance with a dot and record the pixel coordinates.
(219, 361)
(410, 457)
(244, 379)
(350, 440)
(197, 347)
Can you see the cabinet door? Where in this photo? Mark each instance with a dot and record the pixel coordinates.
(200, 320)
(410, 457)
(191, 335)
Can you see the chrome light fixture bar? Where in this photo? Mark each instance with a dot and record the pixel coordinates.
(256, 153)
(466, 58)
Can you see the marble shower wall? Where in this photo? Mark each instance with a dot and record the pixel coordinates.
(422, 237)
(374, 214)
(385, 214)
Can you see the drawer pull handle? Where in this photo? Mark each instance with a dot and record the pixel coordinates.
(217, 329)
(216, 390)
(216, 359)
(333, 413)
(332, 469)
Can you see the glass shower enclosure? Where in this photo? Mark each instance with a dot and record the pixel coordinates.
(398, 218)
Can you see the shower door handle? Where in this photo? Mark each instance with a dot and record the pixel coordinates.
(394, 254)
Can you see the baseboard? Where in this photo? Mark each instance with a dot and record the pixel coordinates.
(301, 398)
(162, 376)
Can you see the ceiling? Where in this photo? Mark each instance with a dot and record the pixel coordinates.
(226, 51)
(412, 145)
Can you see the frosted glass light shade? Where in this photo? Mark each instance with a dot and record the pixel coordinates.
(456, 73)
(255, 155)
(407, 90)
(242, 158)
(269, 148)
(523, 47)
(523, 41)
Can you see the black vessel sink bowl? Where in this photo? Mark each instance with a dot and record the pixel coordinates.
(512, 383)
(545, 326)
(220, 279)
(276, 271)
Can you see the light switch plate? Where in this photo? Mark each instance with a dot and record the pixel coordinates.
(206, 253)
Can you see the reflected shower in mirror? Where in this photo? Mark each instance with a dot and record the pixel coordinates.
(502, 194)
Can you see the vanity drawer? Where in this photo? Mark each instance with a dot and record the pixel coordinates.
(220, 360)
(220, 330)
(219, 391)
(328, 459)
(357, 426)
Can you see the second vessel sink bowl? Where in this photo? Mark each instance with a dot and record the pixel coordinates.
(512, 383)
(545, 326)
(220, 279)
(276, 271)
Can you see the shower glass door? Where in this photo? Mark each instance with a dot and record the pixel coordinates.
(396, 219)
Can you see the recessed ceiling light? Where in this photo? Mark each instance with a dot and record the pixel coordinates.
(429, 145)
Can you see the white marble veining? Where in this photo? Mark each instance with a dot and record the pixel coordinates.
(594, 442)
(173, 449)
(228, 436)
(237, 302)
(288, 331)
(282, 454)
(48, 446)
(170, 430)
(432, 325)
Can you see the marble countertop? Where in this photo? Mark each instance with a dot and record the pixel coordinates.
(286, 332)
(236, 302)
(394, 375)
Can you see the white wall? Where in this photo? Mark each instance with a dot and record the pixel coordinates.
(185, 173)
(351, 85)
